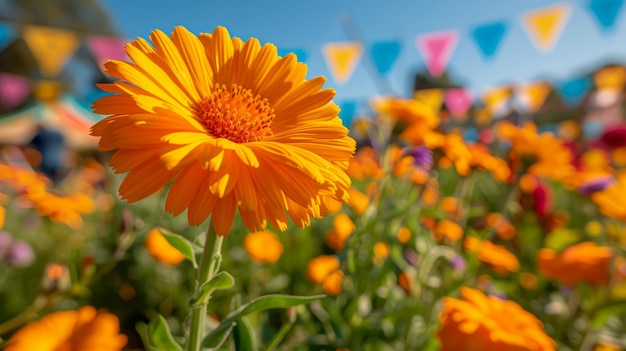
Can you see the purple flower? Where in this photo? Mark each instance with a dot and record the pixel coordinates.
(423, 157)
(597, 184)
(411, 257)
(458, 263)
(20, 254)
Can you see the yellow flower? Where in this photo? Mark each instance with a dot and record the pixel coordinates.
(584, 262)
(496, 256)
(161, 249)
(477, 322)
(263, 246)
(342, 228)
(82, 330)
(234, 126)
(612, 200)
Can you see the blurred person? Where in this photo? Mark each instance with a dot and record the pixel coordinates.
(51, 145)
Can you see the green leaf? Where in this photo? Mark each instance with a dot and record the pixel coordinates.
(142, 330)
(259, 304)
(221, 281)
(602, 314)
(245, 338)
(161, 336)
(181, 244)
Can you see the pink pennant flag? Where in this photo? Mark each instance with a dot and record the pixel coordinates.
(105, 48)
(13, 90)
(458, 101)
(436, 49)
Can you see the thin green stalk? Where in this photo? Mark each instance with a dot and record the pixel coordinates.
(209, 266)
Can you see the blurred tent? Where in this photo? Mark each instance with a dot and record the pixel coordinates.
(66, 115)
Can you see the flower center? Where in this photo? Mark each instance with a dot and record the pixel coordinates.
(236, 114)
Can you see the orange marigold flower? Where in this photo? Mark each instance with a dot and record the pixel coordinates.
(539, 154)
(61, 209)
(619, 156)
(343, 227)
(448, 230)
(84, 329)
(3, 213)
(358, 201)
(611, 201)
(528, 280)
(263, 246)
(403, 235)
(325, 270)
(161, 249)
(365, 164)
(496, 256)
(381, 251)
(584, 262)
(406, 281)
(235, 126)
(482, 159)
(477, 322)
(418, 118)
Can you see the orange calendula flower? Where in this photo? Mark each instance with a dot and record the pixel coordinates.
(61, 209)
(496, 256)
(448, 230)
(161, 249)
(235, 126)
(477, 322)
(358, 201)
(539, 154)
(343, 227)
(82, 330)
(365, 164)
(263, 246)
(612, 200)
(325, 270)
(403, 235)
(418, 118)
(584, 262)
(381, 251)
(482, 158)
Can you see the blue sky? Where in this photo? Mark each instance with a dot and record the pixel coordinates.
(309, 24)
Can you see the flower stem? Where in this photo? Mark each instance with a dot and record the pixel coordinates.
(209, 266)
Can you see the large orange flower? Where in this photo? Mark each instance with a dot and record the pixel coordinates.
(478, 322)
(584, 262)
(233, 124)
(82, 330)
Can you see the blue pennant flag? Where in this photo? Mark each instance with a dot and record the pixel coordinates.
(384, 55)
(348, 110)
(575, 89)
(470, 135)
(300, 53)
(606, 12)
(6, 35)
(488, 37)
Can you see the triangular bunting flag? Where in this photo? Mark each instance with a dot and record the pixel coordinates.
(106, 48)
(531, 96)
(51, 47)
(610, 78)
(574, 89)
(431, 97)
(605, 12)
(7, 34)
(300, 53)
(348, 110)
(384, 55)
(436, 49)
(544, 26)
(488, 37)
(342, 58)
(13, 90)
(458, 101)
(496, 100)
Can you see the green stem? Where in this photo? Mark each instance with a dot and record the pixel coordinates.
(209, 266)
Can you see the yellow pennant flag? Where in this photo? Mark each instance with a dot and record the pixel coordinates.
(342, 58)
(431, 97)
(610, 78)
(495, 99)
(544, 26)
(533, 95)
(51, 47)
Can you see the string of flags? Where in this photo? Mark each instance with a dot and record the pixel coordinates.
(53, 47)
